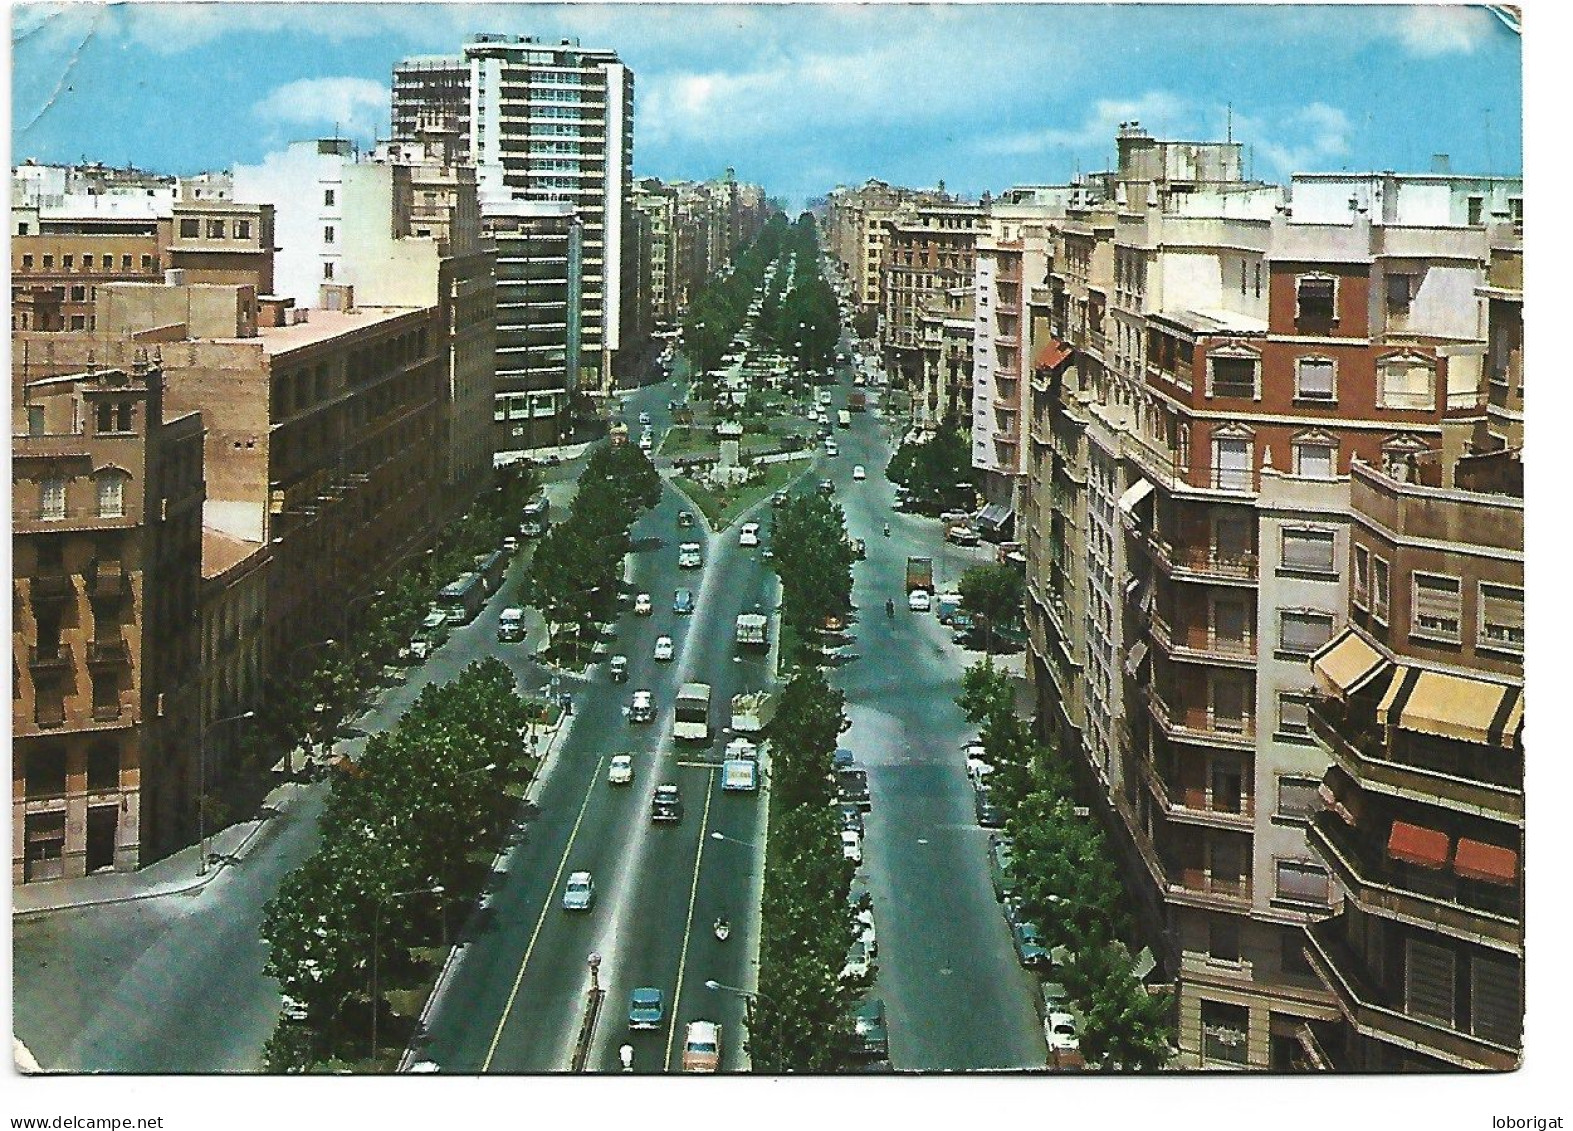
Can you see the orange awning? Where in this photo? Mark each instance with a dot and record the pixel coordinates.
(1414, 844)
(1051, 356)
(1476, 860)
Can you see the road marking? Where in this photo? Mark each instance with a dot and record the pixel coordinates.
(688, 927)
(546, 908)
(696, 765)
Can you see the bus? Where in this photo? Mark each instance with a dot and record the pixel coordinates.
(693, 713)
(493, 568)
(536, 517)
(462, 599)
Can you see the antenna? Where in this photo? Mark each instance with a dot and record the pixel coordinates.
(1228, 109)
(1490, 164)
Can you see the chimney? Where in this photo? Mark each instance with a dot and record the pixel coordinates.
(1441, 164)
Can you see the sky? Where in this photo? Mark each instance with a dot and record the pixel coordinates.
(803, 97)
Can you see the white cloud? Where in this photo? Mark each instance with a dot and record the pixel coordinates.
(1159, 112)
(1444, 29)
(1302, 140)
(357, 107)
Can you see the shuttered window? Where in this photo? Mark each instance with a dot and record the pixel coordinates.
(1293, 718)
(1314, 461)
(1298, 797)
(1314, 298)
(1232, 461)
(1300, 881)
(1437, 607)
(1501, 617)
(1313, 379)
(1308, 551)
(1496, 1000)
(1362, 578)
(1428, 982)
(1407, 384)
(1301, 632)
(52, 498)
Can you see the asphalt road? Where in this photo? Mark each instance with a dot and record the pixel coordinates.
(955, 997)
(517, 1000)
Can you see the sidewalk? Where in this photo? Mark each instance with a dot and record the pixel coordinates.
(176, 874)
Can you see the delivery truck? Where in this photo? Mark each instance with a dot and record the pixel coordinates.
(920, 574)
(752, 712)
(752, 630)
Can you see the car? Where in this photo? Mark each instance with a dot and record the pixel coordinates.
(666, 804)
(618, 668)
(842, 759)
(1028, 941)
(858, 471)
(621, 771)
(579, 895)
(1061, 1032)
(864, 924)
(685, 520)
(683, 602)
(510, 545)
(646, 1008)
(851, 816)
(664, 648)
(852, 788)
(749, 534)
(826, 487)
(831, 451)
(868, 1026)
(989, 815)
(858, 960)
(510, 625)
(641, 709)
(1001, 875)
(779, 498)
(689, 556)
(646, 443)
(644, 418)
(702, 1047)
(1056, 999)
(851, 846)
(643, 606)
(919, 601)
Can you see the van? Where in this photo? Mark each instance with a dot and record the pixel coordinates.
(510, 626)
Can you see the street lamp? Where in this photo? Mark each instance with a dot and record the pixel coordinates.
(733, 839)
(376, 948)
(202, 786)
(751, 1000)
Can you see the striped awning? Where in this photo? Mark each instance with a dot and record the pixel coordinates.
(1347, 663)
(1452, 706)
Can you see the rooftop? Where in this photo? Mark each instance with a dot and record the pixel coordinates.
(1215, 321)
(324, 325)
(221, 551)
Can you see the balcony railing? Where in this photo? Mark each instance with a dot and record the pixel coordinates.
(48, 657)
(1433, 897)
(1209, 649)
(1202, 563)
(1198, 885)
(107, 578)
(110, 651)
(1188, 724)
(52, 587)
(1193, 806)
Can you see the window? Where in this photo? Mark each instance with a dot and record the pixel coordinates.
(1438, 604)
(1381, 575)
(1232, 464)
(52, 497)
(36, 423)
(1314, 460)
(327, 270)
(125, 263)
(327, 233)
(1406, 382)
(27, 262)
(1308, 551)
(78, 294)
(1298, 797)
(87, 262)
(103, 768)
(111, 494)
(147, 263)
(1515, 211)
(1428, 981)
(1223, 1033)
(45, 772)
(242, 229)
(1258, 280)
(1233, 376)
(67, 262)
(112, 416)
(1300, 881)
(1315, 296)
(22, 229)
(1362, 578)
(1313, 379)
(215, 229)
(1496, 999)
(1477, 208)
(49, 262)
(1501, 617)
(1399, 293)
(329, 198)
(190, 229)
(1223, 939)
(1228, 696)
(1303, 631)
(79, 322)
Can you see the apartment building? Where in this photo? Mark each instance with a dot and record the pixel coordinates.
(658, 203)
(856, 224)
(433, 92)
(107, 499)
(946, 335)
(929, 249)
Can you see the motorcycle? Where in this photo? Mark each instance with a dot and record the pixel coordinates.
(890, 608)
(887, 530)
(722, 930)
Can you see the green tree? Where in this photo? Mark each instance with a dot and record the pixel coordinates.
(810, 716)
(992, 591)
(1123, 1026)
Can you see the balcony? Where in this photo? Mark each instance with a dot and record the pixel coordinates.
(1203, 647)
(1365, 1008)
(54, 586)
(1203, 563)
(1189, 724)
(1359, 750)
(1433, 898)
(113, 650)
(1193, 806)
(1198, 888)
(107, 579)
(49, 657)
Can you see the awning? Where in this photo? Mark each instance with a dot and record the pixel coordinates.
(1414, 844)
(1136, 657)
(995, 515)
(1051, 356)
(1135, 494)
(1346, 663)
(1330, 799)
(1476, 860)
(1452, 706)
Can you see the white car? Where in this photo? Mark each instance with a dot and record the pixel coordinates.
(642, 709)
(643, 606)
(646, 443)
(851, 846)
(858, 472)
(749, 535)
(1060, 1029)
(579, 895)
(919, 601)
(644, 418)
(831, 450)
(664, 648)
(621, 771)
(688, 556)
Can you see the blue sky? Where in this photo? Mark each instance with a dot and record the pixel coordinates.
(802, 97)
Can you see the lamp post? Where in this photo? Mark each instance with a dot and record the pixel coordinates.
(751, 998)
(376, 952)
(202, 786)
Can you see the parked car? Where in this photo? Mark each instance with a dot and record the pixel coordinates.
(851, 816)
(851, 846)
(858, 959)
(962, 535)
(642, 707)
(1056, 999)
(842, 759)
(1000, 860)
(689, 556)
(643, 606)
(579, 895)
(646, 1008)
(1061, 1032)
(621, 771)
(749, 534)
(702, 1047)
(866, 932)
(618, 668)
(919, 601)
(871, 1037)
(683, 602)
(858, 472)
(1027, 940)
(664, 648)
(852, 788)
(989, 815)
